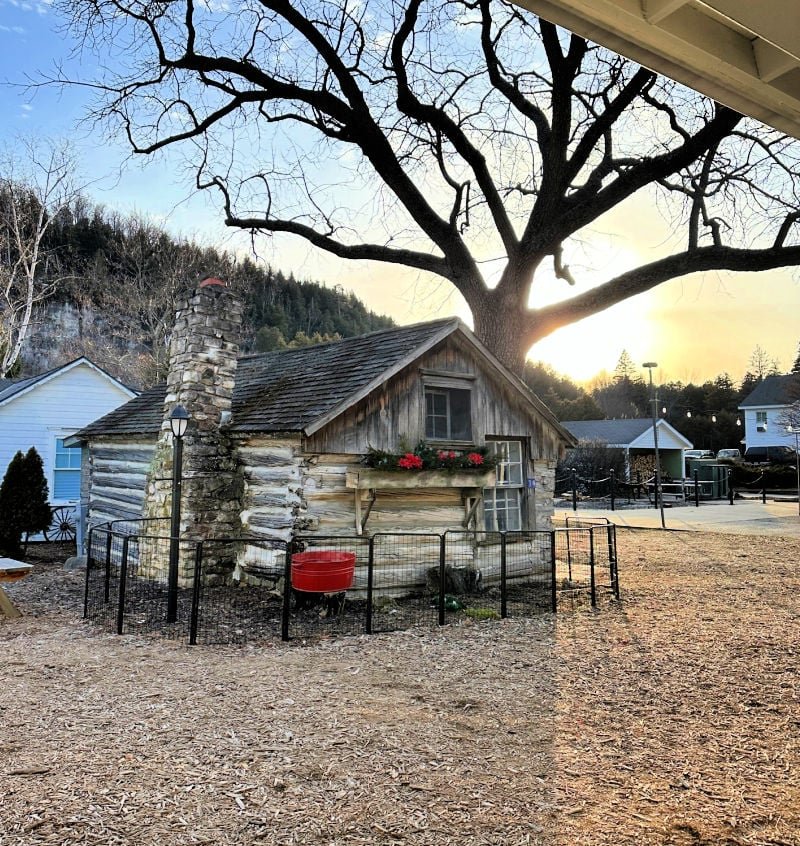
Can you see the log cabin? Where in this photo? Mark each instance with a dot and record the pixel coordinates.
(277, 440)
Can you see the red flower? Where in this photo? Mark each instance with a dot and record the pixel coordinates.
(410, 462)
(451, 454)
(475, 459)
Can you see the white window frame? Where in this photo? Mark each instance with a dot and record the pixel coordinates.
(53, 470)
(761, 421)
(508, 492)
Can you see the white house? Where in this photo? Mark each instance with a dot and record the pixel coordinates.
(635, 437)
(763, 407)
(43, 410)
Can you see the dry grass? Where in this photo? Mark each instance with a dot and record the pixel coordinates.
(672, 718)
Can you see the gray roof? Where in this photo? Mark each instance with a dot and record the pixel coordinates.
(774, 390)
(609, 431)
(301, 389)
(10, 388)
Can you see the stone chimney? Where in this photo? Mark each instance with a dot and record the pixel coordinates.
(202, 369)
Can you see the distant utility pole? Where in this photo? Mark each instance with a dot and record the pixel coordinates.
(659, 497)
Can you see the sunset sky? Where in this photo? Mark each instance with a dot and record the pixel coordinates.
(694, 327)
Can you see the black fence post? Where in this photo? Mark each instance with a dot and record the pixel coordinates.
(287, 591)
(107, 592)
(591, 568)
(574, 484)
(442, 573)
(553, 595)
(503, 578)
(638, 488)
(730, 489)
(123, 578)
(612, 474)
(763, 496)
(612, 558)
(696, 474)
(370, 581)
(88, 572)
(195, 613)
(569, 555)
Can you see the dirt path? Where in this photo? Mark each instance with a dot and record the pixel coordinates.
(673, 718)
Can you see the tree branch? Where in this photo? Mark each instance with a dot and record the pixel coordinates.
(437, 118)
(549, 318)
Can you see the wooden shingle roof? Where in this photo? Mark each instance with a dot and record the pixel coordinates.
(300, 390)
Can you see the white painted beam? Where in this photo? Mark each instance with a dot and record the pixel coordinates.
(695, 48)
(656, 10)
(772, 62)
(776, 21)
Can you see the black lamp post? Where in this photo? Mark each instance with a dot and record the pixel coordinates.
(178, 423)
(659, 494)
(795, 430)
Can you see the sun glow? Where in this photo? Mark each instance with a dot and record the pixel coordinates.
(583, 349)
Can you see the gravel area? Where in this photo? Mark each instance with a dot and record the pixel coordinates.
(672, 717)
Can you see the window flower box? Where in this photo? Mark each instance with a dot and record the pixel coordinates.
(371, 479)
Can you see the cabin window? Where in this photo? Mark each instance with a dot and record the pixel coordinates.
(502, 504)
(67, 472)
(761, 421)
(448, 414)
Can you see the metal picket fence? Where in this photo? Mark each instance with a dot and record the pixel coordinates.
(235, 590)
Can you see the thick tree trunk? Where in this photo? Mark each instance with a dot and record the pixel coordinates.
(504, 329)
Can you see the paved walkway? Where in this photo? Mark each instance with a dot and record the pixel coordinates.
(744, 517)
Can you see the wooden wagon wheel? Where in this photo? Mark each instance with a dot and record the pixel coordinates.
(62, 525)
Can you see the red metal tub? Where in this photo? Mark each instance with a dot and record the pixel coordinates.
(323, 571)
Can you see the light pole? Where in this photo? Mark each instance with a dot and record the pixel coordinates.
(178, 423)
(795, 430)
(654, 402)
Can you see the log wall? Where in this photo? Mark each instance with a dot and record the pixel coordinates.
(117, 470)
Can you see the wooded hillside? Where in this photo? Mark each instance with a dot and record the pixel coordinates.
(119, 279)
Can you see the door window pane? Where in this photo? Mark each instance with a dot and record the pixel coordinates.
(501, 508)
(502, 504)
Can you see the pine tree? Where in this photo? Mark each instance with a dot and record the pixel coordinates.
(23, 501)
(796, 365)
(625, 371)
(39, 513)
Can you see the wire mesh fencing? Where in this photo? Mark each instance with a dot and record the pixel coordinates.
(585, 557)
(234, 590)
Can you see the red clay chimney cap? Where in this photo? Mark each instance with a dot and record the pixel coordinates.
(212, 280)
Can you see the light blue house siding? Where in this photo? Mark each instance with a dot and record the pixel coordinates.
(41, 412)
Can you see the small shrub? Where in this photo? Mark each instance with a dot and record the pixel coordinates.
(23, 501)
(482, 614)
(769, 476)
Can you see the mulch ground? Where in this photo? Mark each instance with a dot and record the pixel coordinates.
(672, 717)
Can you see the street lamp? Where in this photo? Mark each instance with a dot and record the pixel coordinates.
(178, 423)
(795, 430)
(659, 497)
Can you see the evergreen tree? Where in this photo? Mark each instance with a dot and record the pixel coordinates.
(561, 395)
(796, 365)
(625, 371)
(23, 501)
(37, 495)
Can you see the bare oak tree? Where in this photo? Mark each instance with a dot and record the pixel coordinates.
(36, 183)
(465, 139)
